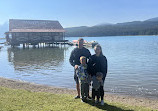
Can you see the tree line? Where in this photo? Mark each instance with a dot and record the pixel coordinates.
(120, 29)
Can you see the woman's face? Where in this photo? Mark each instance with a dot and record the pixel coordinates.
(97, 50)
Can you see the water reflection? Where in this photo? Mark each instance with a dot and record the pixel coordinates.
(35, 58)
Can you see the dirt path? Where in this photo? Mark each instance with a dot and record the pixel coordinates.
(132, 101)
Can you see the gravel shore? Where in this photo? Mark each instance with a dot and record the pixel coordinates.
(127, 100)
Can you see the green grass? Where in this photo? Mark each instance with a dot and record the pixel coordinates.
(23, 100)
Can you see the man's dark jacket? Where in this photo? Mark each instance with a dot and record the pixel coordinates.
(76, 54)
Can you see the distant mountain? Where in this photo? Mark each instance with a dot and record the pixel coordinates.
(73, 31)
(103, 24)
(148, 27)
(153, 19)
(3, 28)
(130, 23)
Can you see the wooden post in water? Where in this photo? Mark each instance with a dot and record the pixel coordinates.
(28, 45)
(38, 45)
(23, 45)
(43, 44)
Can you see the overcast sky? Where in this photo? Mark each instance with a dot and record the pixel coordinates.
(72, 13)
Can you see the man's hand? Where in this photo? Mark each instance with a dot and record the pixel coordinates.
(76, 66)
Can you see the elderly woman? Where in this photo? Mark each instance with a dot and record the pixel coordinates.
(98, 63)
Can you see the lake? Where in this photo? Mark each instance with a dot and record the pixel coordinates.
(132, 64)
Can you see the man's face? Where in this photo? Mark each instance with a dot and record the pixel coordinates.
(80, 43)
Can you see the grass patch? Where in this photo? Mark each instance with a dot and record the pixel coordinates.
(23, 100)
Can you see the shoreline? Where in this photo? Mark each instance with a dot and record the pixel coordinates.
(113, 36)
(123, 99)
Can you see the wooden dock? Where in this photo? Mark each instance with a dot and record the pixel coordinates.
(46, 44)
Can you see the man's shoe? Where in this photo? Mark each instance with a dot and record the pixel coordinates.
(76, 97)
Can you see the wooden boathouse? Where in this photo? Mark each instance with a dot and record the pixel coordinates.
(34, 32)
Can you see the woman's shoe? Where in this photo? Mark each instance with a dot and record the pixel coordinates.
(102, 102)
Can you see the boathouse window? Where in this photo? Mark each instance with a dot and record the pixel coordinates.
(10, 36)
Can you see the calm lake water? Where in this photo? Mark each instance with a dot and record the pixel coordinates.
(132, 65)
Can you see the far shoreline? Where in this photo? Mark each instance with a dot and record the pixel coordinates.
(124, 99)
(111, 36)
(103, 36)
(2, 38)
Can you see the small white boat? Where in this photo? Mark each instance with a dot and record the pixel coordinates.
(89, 44)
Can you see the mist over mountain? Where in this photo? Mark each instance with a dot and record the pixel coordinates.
(153, 19)
(103, 24)
(4, 28)
(147, 27)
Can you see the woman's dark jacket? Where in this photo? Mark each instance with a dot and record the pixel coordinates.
(97, 64)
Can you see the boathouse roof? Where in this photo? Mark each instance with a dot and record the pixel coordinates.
(20, 25)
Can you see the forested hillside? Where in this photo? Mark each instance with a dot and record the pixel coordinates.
(148, 27)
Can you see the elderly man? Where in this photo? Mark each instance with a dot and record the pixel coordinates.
(75, 60)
